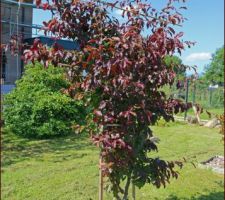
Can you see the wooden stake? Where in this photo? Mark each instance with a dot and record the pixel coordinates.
(186, 98)
(100, 180)
(197, 113)
(133, 191)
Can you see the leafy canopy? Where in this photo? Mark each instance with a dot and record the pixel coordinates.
(36, 107)
(127, 71)
(176, 63)
(214, 72)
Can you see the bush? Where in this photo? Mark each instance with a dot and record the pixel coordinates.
(36, 107)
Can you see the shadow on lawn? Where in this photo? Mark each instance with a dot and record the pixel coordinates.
(210, 196)
(16, 149)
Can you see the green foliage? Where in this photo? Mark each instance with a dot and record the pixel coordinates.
(37, 108)
(176, 63)
(214, 72)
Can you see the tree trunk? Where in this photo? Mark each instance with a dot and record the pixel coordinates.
(125, 196)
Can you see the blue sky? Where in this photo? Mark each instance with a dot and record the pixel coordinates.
(205, 25)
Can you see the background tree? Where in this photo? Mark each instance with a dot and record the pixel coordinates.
(214, 72)
(177, 89)
(176, 63)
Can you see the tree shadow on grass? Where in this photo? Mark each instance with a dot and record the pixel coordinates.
(210, 196)
(16, 149)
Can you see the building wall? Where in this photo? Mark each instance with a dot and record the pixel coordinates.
(9, 13)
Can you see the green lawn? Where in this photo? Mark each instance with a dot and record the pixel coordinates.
(67, 168)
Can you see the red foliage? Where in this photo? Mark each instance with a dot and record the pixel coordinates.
(128, 71)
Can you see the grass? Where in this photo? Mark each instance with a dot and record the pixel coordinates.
(67, 168)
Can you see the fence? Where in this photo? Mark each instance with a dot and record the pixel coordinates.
(198, 92)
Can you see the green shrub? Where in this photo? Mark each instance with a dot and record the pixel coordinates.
(37, 108)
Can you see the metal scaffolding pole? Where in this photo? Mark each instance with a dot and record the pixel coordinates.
(22, 4)
(17, 44)
(35, 26)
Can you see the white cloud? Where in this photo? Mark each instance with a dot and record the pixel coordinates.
(198, 57)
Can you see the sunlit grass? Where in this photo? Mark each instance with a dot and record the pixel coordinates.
(67, 168)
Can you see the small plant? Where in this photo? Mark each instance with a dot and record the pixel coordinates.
(37, 107)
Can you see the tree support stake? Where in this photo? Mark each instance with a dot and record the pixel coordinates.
(100, 179)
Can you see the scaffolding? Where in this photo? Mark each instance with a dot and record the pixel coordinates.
(16, 25)
(35, 27)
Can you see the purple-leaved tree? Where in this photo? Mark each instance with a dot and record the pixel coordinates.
(127, 71)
